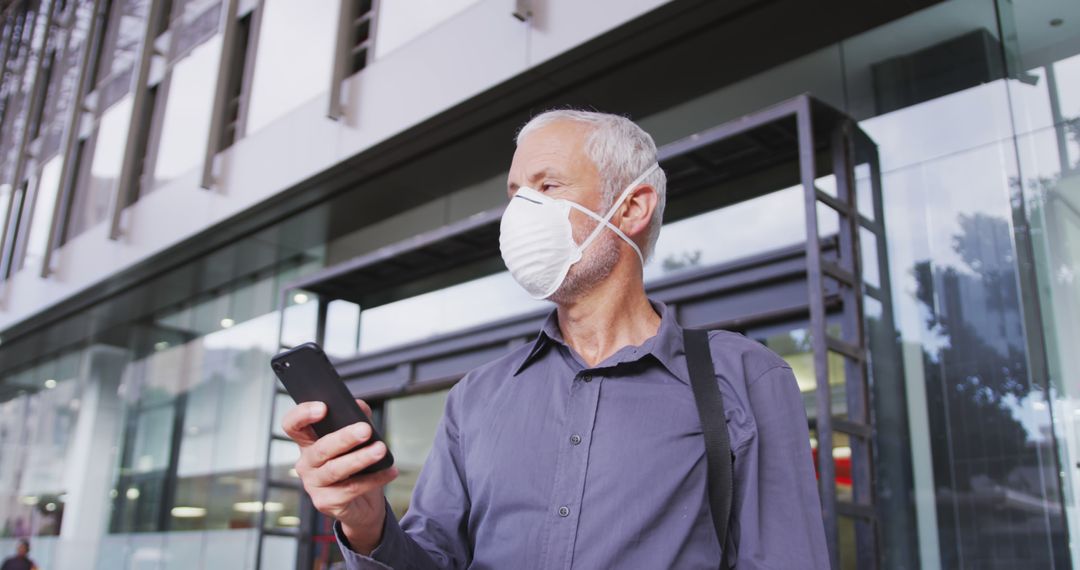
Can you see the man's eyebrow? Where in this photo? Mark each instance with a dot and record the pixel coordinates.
(546, 172)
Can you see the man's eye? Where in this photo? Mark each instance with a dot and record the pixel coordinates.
(546, 186)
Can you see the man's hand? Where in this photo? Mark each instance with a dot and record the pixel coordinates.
(325, 467)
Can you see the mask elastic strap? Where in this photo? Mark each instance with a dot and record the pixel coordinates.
(605, 221)
(596, 232)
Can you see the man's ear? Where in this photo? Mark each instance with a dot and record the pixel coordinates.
(637, 211)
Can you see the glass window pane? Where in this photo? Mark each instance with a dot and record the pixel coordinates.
(14, 114)
(187, 112)
(183, 550)
(92, 198)
(44, 204)
(233, 501)
(300, 323)
(283, 456)
(153, 440)
(279, 553)
(126, 28)
(62, 87)
(5, 199)
(795, 348)
(282, 508)
(444, 311)
(229, 549)
(196, 21)
(754, 226)
(294, 59)
(342, 328)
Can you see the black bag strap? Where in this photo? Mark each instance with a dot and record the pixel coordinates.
(718, 458)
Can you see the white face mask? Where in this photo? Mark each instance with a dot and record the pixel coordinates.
(537, 240)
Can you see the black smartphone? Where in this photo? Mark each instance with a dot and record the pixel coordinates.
(309, 376)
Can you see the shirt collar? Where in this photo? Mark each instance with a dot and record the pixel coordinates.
(666, 346)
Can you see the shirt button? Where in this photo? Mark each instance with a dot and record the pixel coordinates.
(586, 378)
(564, 511)
(575, 439)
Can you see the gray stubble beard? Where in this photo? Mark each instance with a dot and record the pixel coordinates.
(596, 264)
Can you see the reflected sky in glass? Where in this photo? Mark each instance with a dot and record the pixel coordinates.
(189, 103)
(294, 59)
(443, 311)
(91, 205)
(44, 204)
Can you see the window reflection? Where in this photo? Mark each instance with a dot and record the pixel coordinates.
(795, 348)
(186, 124)
(754, 226)
(198, 409)
(37, 428)
(41, 224)
(62, 88)
(126, 27)
(439, 312)
(294, 59)
(96, 187)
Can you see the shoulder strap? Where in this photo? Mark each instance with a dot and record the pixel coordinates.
(710, 405)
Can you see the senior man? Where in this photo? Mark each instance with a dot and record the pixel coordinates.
(584, 448)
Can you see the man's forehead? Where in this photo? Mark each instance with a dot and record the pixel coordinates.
(551, 150)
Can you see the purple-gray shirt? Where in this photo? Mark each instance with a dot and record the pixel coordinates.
(541, 461)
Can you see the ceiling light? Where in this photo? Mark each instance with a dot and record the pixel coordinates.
(50, 384)
(159, 346)
(300, 298)
(188, 512)
(227, 322)
(256, 506)
(132, 493)
(288, 520)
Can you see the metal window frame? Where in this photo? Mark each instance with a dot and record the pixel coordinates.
(343, 46)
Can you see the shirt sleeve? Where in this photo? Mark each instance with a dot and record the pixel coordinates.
(433, 533)
(778, 510)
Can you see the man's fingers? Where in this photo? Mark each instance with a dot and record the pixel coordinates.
(297, 422)
(332, 498)
(363, 406)
(341, 468)
(337, 443)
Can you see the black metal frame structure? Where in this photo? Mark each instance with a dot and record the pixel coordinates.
(797, 142)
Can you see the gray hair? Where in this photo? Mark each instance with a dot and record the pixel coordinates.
(621, 151)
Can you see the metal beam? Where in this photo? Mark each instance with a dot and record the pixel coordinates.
(134, 152)
(221, 93)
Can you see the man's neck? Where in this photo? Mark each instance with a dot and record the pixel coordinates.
(613, 315)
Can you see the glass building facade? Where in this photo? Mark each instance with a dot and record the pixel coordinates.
(139, 419)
